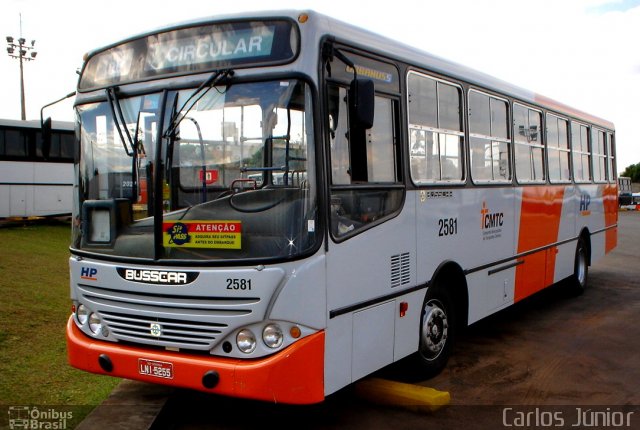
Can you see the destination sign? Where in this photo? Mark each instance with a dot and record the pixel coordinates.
(218, 46)
(191, 50)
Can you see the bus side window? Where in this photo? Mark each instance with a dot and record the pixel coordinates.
(558, 149)
(599, 156)
(581, 152)
(611, 162)
(338, 127)
(15, 143)
(529, 150)
(489, 140)
(435, 130)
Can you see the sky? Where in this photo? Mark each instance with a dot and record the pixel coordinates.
(580, 52)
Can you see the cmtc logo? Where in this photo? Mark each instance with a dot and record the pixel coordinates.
(89, 273)
(490, 220)
(585, 201)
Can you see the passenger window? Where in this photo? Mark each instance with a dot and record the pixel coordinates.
(489, 138)
(611, 158)
(580, 152)
(528, 145)
(358, 204)
(599, 157)
(15, 143)
(558, 149)
(479, 114)
(338, 130)
(435, 130)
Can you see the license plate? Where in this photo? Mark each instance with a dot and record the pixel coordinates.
(158, 369)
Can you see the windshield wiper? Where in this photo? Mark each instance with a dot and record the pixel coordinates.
(118, 118)
(211, 82)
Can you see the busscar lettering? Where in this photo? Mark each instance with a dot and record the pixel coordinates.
(155, 276)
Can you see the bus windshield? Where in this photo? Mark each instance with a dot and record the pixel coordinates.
(236, 166)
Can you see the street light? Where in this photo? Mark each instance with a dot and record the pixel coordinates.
(22, 52)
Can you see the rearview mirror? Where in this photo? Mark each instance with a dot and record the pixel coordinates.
(46, 137)
(362, 102)
(361, 108)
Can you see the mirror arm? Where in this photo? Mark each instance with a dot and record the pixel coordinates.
(45, 125)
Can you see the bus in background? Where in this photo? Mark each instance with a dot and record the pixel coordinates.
(632, 203)
(274, 205)
(32, 182)
(624, 191)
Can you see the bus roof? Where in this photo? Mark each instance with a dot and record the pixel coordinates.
(55, 125)
(323, 25)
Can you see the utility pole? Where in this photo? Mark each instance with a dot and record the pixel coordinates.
(19, 50)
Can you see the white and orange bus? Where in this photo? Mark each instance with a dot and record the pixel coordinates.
(272, 206)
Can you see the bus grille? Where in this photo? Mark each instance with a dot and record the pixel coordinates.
(185, 322)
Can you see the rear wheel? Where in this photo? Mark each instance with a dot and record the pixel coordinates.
(437, 332)
(580, 268)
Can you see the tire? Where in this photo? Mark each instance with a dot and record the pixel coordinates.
(438, 327)
(580, 268)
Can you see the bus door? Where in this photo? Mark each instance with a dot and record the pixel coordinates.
(371, 250)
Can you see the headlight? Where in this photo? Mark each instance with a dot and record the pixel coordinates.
(246, 341)
(272, 336)
(95, 324)
(82, 314)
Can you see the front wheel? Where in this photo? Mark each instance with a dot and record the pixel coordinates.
(437, 332)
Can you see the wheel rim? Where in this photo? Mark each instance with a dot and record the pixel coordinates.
(581, 267)
(435, 330)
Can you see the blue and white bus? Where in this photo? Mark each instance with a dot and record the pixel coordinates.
(34, 183)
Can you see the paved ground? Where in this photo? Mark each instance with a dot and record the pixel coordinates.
(552, 359)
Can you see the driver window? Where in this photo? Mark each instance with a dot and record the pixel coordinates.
(358, 204)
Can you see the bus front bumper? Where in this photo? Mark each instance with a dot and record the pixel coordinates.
(294, 375)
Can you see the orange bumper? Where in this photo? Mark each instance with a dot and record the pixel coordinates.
(294, 375)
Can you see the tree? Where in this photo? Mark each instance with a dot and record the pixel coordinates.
(632, 171)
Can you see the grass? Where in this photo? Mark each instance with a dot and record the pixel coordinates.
(34, 308)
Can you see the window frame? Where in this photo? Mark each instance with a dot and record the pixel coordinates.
(597, 157)
(528, 144)
(508, 140)
(557, 149)
(462, 145)
(612, 173)
(581, 153)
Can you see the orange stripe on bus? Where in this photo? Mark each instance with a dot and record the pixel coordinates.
(294, 375)
(539, 224)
